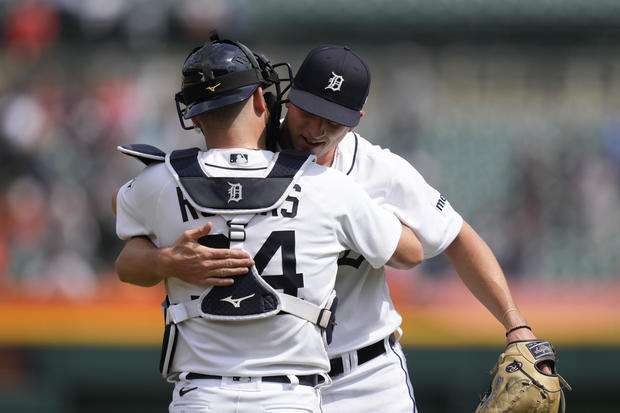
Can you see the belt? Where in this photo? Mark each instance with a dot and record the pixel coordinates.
(364, 354)
(309, 380)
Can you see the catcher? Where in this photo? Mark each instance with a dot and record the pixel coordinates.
(525, 380)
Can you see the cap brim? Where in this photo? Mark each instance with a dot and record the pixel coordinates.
(324, 108)
(220, 100)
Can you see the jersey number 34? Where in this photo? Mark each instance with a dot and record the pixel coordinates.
(290, 280)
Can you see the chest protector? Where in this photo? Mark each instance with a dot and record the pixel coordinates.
(238, 200)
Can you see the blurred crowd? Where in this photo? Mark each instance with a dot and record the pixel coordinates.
(63, 111)
(548, 205)
(57, 160)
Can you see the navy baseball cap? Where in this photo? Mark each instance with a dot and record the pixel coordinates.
(332, 83)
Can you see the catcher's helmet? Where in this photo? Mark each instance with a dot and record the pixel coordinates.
(223, 72)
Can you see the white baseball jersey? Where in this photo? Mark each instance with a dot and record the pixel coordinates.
(297, 245)
(399, 187)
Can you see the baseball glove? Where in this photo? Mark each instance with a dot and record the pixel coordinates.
(519, 386)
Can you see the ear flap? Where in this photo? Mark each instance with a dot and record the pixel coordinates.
(270, 99)
(273, 126)
(274, 101)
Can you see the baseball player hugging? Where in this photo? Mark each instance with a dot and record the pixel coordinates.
(259, 344)
(367, 367)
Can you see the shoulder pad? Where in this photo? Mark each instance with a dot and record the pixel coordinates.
(232, 194)
(147, 154)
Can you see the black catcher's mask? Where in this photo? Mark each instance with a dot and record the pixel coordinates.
(224, 72)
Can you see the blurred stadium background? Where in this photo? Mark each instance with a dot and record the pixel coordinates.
(511, 109)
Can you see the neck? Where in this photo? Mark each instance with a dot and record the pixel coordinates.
(327, 159)
(235, 137)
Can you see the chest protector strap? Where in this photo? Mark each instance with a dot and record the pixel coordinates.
(253, 299)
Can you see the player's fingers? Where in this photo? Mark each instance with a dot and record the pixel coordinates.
(227, 271)
(216, 281)
(545, 367)
(196, 233)
(237, 263)
(228, 254)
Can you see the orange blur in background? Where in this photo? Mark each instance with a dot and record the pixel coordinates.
(436, 313)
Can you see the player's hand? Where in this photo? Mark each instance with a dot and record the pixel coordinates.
(196, 264)
(525, 334)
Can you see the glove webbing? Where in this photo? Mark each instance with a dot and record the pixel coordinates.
(538, 384)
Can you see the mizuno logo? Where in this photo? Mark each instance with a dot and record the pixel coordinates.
(236, 302)
(185, 390)
(212, 88)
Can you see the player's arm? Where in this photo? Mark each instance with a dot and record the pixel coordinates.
(139, 263)
(477, 266)
(441, 229)
(372, 230)
(142, 263)
(409, 252)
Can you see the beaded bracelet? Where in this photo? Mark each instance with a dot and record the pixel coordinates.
(518, 328)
